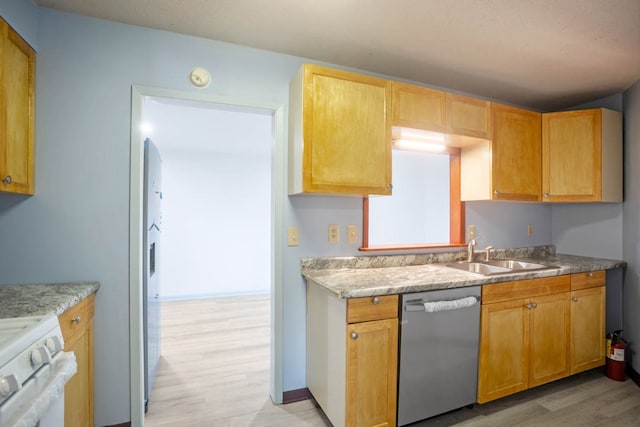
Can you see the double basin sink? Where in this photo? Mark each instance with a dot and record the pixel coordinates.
(502, 266)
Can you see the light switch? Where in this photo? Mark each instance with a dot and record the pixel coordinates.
(334, 233)
(352, 234)
(293, 236)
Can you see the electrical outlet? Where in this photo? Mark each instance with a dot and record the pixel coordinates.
(293, 236)
(334, 233)
(352, 234)
(530, 230)
(471, 232)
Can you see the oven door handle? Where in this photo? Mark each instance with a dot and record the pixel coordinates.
(435, 306)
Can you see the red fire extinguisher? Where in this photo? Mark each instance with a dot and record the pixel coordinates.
(615, 356)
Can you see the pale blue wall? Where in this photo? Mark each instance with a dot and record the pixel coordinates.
(631, 236)
(22, 15)
(76, 227)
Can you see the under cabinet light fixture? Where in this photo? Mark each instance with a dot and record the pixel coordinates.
(417, 145)
(422, 136)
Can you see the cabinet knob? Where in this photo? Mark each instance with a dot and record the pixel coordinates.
(376, 300)
(531, 305)
(590, 274)
(390, 186)
(496, 192)
(546, 195)
(574, 299)
(7, 179)
(354, 335)
(76, 320)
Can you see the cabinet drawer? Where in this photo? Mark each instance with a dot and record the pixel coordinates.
(75, 320)
(590, 279)
(372, 308)
(507, 291)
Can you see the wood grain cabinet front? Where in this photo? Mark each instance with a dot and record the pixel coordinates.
(582, 156)
(588, 295)
(77, 330)
(428, 109)
(352, 357)
(524, 335)
(508, 165)
(339, 133)
(17, 111)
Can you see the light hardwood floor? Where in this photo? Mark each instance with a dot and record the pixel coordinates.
(214, 371)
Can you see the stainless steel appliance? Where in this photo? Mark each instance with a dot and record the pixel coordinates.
(152, 224)
(439, 335)
(33, 372)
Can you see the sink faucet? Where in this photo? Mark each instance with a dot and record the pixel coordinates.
(470, 247)
(487, 254)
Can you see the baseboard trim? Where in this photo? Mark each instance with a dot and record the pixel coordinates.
(634, 375)
(296, 395)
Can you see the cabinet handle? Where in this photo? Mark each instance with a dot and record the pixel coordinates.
(354, 335)
(376, 300)
(76, 320)
(7, 179)
(574, 299)
(532, 305)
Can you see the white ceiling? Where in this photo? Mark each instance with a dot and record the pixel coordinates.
(543, 54)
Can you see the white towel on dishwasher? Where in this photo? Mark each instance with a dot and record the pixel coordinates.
(431, 307)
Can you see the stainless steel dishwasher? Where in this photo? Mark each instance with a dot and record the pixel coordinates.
(439, 334)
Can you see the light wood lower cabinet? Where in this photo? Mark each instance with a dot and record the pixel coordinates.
(352, 353)
(77, 331)
(587, 321)
(539, 330)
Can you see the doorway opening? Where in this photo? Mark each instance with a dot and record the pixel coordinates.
(218, 230)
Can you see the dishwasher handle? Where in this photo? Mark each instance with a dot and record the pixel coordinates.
(435, 306)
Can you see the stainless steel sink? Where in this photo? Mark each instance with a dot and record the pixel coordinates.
(479, 267)
(516, 265)
(489, 268)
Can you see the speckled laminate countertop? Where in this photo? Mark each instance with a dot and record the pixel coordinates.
(353, 277)
(42, 298)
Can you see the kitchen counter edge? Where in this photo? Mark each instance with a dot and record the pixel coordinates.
(37, 299)
(366, 282)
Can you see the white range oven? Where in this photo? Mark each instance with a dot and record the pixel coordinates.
(33, 372)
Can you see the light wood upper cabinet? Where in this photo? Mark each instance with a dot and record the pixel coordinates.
(508, 166)
(587, 321)
(339, 133)
(582, 156)
(468, 116)
(423, 108)
(77, 331)
(418, 107)
(17, 93)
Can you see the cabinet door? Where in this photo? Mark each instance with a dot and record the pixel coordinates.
(516, 154)
(347, 133)
(372, 363)
(504, 355)
(572, 156)
(587, 329)
(78, 392)
(468, 116)
(418, 107)
(17, 87)
(549, 318)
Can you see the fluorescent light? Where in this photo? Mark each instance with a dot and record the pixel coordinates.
(414, 145)
(423, 136)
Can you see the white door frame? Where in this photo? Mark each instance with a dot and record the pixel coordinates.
(278, 187)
